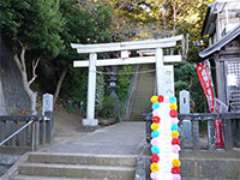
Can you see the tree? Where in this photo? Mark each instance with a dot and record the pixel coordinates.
(32, 30)
(84, 23)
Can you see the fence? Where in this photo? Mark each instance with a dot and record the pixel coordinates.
(27, 132)
(194, 141)
(190, 126)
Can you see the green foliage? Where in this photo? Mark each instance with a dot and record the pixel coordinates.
(186, 78)
(35, 25)
(100, 91)
(107, 110)
(76, 87)
(84, 24)
(123, 82)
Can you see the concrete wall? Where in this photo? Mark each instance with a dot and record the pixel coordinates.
(13, 98)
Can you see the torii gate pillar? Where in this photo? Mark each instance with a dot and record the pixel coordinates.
(90, 120)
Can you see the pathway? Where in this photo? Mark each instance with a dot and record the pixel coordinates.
(122, 138)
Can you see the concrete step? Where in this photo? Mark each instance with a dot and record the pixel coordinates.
(76, 171)
(211, 165)
(83, 159)
(6, 161)
(23, 177)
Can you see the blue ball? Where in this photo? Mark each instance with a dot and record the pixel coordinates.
(155, 150)
(156, 106)
(172, 99)
(174, 127)
(154, 134)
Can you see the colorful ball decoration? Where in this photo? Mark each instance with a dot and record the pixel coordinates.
(155, 150)
(164, 110)
(155, 126)
(176, 170)
(155, 113)
(175, 134)
(173, 113)
(154, 99)
(156, 106)
(176, 163)
(154, 134)
(173, 106)
(175, 141)
(156, 119)
(154, 167)
(172, 99)
(176, 148)
(176, 177)
(155, 158)
(160, 99)
(174, 127)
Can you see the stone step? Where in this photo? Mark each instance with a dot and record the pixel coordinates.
(24, 177)
(76, 171)
(211, 165)
(83, 159)
(6, 161)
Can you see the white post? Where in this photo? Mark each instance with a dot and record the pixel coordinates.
(90, 120)
(168, 80)
(159, 70)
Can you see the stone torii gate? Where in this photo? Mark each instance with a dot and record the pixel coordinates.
(164, 73)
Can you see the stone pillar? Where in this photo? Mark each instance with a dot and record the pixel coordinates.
(159, 71)
(48, 124)
(186, 129)
(90, 119)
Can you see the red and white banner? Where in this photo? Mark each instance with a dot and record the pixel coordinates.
(204, 76)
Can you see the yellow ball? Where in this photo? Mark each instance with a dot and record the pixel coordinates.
(173, 106)
(154, 167)
(154, 99)
(176, 163)
(175, 134)
(154, 126)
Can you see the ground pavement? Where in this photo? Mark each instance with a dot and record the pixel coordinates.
(121, 138)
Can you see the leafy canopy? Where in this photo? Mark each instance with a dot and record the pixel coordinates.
(34, 24)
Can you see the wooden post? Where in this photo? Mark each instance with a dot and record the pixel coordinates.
(186, 129)
(90, 120)
(227, 130)
(48, 118)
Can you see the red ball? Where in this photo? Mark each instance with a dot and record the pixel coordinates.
(173, 113)
(176, 170)
(160, 98)
(156, 119)
(175, 141)
(155, 158)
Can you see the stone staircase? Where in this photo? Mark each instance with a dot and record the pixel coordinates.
(145, 88)
(62, 166)
(6, 161)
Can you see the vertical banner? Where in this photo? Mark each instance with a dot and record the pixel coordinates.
(205, 79)
(204, 75)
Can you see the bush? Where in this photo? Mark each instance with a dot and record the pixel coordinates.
(108, 107)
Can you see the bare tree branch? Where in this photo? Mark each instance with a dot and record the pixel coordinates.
(34, 67)
(17, 61)
(23, 59)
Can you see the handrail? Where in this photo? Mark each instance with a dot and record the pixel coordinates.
(209, 116)
(16, 132)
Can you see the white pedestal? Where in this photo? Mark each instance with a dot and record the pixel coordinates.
(90, 122)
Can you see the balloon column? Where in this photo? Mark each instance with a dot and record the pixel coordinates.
(165, 144)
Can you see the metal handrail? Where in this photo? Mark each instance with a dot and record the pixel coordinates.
(16, 132)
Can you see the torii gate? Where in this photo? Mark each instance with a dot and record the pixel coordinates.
(164, 73)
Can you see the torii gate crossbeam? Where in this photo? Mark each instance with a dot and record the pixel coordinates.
(163, 72)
